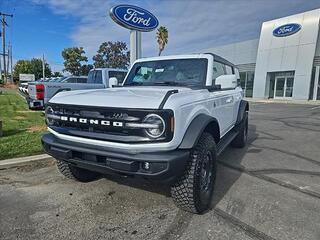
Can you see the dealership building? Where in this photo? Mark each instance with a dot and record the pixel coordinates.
(284, 63)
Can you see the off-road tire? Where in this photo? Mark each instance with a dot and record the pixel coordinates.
(75, 173)
(186, 192)
(241, 139)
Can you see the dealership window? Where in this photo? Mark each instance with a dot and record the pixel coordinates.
(318, 88)
(313, 80)
(281, 84)
(314, 93)
(246, 83)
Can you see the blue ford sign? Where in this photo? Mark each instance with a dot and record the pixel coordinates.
(134, 18)
(286, 30)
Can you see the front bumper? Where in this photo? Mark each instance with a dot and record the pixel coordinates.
(163, 166)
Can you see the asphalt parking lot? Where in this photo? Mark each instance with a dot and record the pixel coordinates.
(269, 190)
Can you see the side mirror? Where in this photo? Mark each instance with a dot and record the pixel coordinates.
(113, 81)
(227, 81)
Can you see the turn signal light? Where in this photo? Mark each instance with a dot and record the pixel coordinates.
(172, 124)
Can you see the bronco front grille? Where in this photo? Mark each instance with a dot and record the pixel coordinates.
(107, 123)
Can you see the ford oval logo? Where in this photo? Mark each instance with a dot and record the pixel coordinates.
(134, 18)
(286, 30)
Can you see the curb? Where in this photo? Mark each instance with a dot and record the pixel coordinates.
(297, 102)
(23, 160)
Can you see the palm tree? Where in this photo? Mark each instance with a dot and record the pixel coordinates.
(162, 38)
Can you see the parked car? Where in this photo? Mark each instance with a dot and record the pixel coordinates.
(169, 122)
(23, 88)
(40, 93)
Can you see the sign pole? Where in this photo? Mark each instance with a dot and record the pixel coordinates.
(135, 46)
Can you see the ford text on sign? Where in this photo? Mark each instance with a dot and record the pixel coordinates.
(134, 18)
(286, 30)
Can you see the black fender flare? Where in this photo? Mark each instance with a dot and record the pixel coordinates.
(196, 128)
(243, 107)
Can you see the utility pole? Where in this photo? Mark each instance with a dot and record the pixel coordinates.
(0, 63)
(4, 24)
(8, 61)
(43, 67)
(0, 66)
(11, 67)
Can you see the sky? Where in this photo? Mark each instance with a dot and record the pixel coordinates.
(48, 26)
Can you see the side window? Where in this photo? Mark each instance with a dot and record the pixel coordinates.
(119, 75)
(229, 70)
(98, 77)
(81, 80)
(71, 80)
(218, 70)
(236, 72)
(95, 77)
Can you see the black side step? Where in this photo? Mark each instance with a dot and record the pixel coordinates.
(226, 140)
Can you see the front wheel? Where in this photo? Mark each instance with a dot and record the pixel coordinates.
(75, 173)
(194, 190)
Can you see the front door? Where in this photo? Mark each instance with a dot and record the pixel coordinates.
(283, 87)
(223, 107)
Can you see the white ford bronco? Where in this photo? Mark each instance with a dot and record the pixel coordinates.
(168, 122)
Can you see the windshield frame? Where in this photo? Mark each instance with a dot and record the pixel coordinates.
(132, 71)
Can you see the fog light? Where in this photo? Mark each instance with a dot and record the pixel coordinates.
(146, 166)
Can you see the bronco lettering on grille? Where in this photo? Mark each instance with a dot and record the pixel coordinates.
(91, 121)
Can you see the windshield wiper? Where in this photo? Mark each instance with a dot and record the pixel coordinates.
(168, 83)
(134, 84)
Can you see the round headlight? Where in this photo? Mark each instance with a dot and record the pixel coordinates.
(48, 115)
(157, 123)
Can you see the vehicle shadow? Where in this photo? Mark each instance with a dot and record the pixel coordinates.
(224, 180)
(11, 132)
(227, 176)
(140, 183)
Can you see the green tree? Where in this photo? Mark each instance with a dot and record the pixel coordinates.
(57, 74)
(85, 69)
(36, 68)
(73, 59)
(162, 38)
(112, 55)
(33, 66)
(21, 66)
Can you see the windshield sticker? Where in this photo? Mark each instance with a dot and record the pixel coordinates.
(159, 70)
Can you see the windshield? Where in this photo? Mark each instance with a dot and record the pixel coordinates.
(177, 72)
(95, 76)
(60, 79)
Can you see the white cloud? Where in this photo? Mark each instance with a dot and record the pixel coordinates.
(192, 25)
(56, 67)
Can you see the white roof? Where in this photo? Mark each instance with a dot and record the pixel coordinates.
(112, 69)
(173, 57)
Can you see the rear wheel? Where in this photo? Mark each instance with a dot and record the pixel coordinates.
(194, 190)
(75, 173)
(241, 139)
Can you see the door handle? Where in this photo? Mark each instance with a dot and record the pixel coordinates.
(229, 100)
